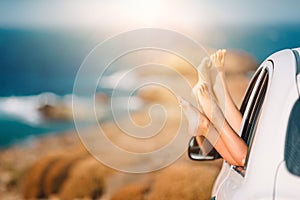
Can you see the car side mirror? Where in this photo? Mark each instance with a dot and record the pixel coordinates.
(196, 153)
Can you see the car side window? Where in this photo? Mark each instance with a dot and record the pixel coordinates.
(255, 109)
(249, 91)
(252, 103)
(250, 109)
(292, 141)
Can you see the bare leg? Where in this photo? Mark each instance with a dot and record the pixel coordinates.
(234, 144)
(220, 146)
(196, 120)
(232, 114)
(204, 73)
(199, 126)
(211, 72)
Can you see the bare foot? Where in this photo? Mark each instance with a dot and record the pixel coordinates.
(209, 72)
(206, 71)
(204, 76)
(204, 68)
(218, 59)
(210, 107)
(197, 121)
(217, 78)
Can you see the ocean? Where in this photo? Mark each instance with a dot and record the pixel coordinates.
(39, 63)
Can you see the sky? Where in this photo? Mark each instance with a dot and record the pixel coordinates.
(130, 14)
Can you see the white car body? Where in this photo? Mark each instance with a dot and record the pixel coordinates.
(266, 175)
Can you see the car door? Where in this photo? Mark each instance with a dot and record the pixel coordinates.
(250, 109)
(288, 173)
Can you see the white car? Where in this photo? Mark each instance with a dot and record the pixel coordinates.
(271, 129)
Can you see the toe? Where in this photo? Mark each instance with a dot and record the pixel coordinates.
(199, 95)
(201, 88)
(213, 57)
(220, 56)
(204, 87)
(223, 55)
(218, 53)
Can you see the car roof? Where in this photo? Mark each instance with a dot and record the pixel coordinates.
(284, 59)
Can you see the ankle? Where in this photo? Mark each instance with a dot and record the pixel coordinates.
(204, 125)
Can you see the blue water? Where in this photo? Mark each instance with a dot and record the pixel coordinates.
(15, 131)
(35, 61)
(258, 40)
(32, 62)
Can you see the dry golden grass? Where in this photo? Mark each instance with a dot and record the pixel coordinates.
(46, 175)
(59, 172)
(86, 180)
(33, 180)
(185, 181)
(134, 191)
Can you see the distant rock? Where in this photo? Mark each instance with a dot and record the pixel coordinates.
(239, 62)
(59, 112)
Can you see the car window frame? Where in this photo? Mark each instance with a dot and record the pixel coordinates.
(251, 108)
(249, 91)
(256, 114)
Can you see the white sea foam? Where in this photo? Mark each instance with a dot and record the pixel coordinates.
(26, 108)
(21, 108)
(117, 80)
